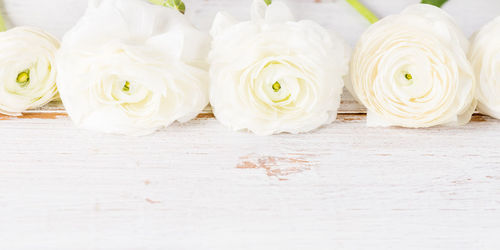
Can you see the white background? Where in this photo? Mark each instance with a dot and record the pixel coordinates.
(57, 16)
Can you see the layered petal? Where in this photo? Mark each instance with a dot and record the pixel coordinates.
(271, 74)
(485, 58)
(27, 69)
(130, 67)
(411, 70)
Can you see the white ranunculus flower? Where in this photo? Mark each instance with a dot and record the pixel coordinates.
(411, 70)
(27, 69)
(131, 67)
(272, 74)
(485, 58)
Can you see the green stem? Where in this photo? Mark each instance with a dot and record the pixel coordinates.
(372, 18)
(176, 4)
(3, 27)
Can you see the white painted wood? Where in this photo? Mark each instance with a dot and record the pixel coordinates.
(200, 186)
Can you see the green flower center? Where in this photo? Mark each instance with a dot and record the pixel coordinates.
(408, 76)
(276, 86)
(126, 87)
(23, 78)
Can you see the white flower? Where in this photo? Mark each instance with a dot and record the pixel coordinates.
(131, 67)
(485, 59)
(272, 74)
(27, 69)
(411, 70)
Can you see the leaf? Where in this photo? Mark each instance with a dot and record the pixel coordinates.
(176, 4)
(437, 3)
(268, 2)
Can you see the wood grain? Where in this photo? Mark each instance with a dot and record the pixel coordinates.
(200, 186)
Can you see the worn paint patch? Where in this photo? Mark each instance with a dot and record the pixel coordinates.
(44, 116)
(150, 201)
(479, 118)
(205, 116)
(351, 117)
(278, 167)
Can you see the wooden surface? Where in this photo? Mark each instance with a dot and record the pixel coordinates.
(201, 186)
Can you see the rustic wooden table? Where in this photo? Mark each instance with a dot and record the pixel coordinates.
(201, 186)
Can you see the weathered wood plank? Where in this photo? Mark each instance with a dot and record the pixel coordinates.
(200, 186)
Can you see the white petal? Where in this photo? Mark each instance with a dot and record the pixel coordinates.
(485, 58)
(272, 75)
(411, 70)
(278, 12)
(27, 49)
(222, 22)
(130, 67)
